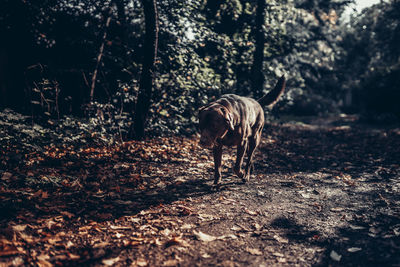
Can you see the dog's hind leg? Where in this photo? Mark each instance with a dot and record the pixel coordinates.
(241, 151)
(253, 143)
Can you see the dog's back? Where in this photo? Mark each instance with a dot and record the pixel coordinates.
(246, 111)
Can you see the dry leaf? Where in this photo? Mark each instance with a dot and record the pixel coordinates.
(204, 237)
(50, 223)
(141, 262)
(254, 251)
(356, 227)
(170, 263)
(281, 239)
(73, 256)
(26, 237)
(44, 263)
(67, 214)
(337, 209)
(45, 194)
(101, 244)
(53, 240)
(43, 260)
(117, 227)
(174, 241)
(110, 262)
(69, 244)
(354, 249)
(130, 243)
(187, 226)
(236, 228)
(278, 254)
(335, 256)
(9, 250)
(118, 235)
(19, 228)
(253, 213)
(6, 176)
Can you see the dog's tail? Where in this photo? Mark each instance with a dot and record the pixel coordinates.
(272, 97)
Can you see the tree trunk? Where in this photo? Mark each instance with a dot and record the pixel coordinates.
(146, 80)
(257, 82)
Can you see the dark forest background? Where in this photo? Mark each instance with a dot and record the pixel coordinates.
(87, 58)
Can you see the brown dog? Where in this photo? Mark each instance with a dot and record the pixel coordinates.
(238, 121)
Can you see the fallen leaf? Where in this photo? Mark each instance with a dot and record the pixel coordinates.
(53, 240)
(166, 232)
(236, 228)
(50, 223)
(73, 256)
(6, 176)
(257, 226)
(254, 251)
(204, 237)
(110, 262)
(130, 243)
(253, 213)
(118, 235)
(141, 262)
(187, 226)
(337, 209)
(356, 227)
(101, 244)
(335, 256)
(116, 227)
(67, 214)
(69, 244)
(19, 228)
(281, 239)
(227, 236)
(8, 250)
(174, 241)
(45, 194)
(354, 249)
(26, 237)
(44, 263)
(305, 195)
(43, 260)
(170, 263)
(278, 254)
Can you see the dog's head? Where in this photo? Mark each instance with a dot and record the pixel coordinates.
(215, 121)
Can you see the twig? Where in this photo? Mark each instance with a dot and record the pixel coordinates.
(101, 50)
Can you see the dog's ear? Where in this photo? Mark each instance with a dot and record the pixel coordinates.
(228, 117)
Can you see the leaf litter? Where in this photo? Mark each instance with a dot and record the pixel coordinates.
(149, 203)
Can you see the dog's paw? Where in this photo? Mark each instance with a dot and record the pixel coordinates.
(215, 187)
(246, 178)
(217, 180)
(239, 173)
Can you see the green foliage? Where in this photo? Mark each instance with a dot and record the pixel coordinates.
(206, 49)
(372, 53)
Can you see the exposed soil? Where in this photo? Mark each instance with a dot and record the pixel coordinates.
(325, 192)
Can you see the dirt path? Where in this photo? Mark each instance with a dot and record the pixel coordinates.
(320, 195)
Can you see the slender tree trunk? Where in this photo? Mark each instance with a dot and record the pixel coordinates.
(146, 80)
(99, 57)
(257, 82)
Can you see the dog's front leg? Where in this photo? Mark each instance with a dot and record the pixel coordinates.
(241, 150)
(217, 163)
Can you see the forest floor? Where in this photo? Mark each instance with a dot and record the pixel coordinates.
(324, 192)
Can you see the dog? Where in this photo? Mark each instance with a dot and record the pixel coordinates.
(234, 120)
